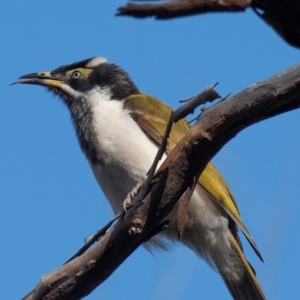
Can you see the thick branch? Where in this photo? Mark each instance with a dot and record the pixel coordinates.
(215, 127)
(181, 8)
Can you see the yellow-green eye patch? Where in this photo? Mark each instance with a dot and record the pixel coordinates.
(79, 73)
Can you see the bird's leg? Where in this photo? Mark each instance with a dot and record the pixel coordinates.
(130, 196)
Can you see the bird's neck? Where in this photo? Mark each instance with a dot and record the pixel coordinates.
(84, 122)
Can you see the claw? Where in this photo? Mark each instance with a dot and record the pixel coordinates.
(130, 196)
(127, 202)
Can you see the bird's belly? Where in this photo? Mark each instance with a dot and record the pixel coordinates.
(116, 182)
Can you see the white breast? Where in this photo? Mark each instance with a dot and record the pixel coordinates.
(127, 153)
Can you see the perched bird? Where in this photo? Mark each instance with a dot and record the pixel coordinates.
(119, 130)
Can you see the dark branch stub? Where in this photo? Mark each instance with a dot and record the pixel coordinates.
(207, 95)
(183, 207)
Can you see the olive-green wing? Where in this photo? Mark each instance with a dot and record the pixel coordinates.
(152, 116)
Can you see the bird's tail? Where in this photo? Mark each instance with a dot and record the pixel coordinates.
(247, 286)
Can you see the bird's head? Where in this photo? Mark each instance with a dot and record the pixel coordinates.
(94, 91)
(77, 81)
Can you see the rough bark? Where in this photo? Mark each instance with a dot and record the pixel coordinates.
(181, 8)
(215, 127)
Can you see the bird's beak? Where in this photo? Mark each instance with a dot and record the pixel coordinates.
(41, 78)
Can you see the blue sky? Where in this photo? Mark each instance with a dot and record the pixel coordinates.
(49, 199)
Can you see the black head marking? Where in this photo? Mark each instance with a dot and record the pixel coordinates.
(63, 69)
(102, 74)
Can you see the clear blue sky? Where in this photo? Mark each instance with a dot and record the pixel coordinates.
(49, 199)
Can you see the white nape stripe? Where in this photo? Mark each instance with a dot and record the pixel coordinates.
(96, 61)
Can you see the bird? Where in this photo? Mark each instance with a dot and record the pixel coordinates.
(119, 129)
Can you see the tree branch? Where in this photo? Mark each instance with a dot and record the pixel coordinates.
(181, 8)
(214, 128)
(282, 15)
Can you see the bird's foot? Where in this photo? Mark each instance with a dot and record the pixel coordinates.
(130, 196)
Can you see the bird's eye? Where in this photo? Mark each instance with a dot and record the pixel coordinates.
(76, 74)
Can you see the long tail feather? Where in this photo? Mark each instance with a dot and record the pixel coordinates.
(247, 287)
